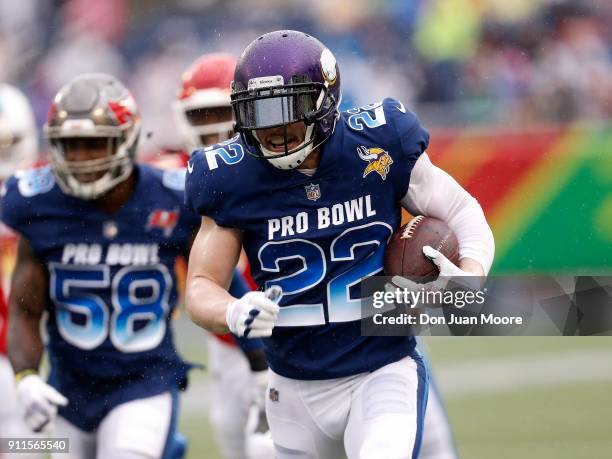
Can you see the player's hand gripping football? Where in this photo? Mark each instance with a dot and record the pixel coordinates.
(254, 315)
(39, 401)
(448, 271)
(447, 268)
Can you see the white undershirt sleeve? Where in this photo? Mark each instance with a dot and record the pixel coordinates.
(434, 193)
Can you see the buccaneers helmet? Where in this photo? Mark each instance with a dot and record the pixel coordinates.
(281, 78)
(95, 108)
(203, 109)
(18, 138)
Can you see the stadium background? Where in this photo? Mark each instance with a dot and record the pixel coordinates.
(518, 97)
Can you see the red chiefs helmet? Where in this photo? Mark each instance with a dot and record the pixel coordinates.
(203, 110)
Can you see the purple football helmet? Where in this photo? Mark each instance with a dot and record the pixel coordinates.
(281, 78)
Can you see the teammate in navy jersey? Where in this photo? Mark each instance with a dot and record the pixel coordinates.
(99, 237)
(313, 195)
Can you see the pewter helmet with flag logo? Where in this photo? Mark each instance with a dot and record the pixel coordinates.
(281, 78)
(93, 111)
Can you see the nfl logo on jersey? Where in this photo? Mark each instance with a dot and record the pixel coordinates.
(313, 192)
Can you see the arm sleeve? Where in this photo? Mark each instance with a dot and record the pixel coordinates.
(434, 193)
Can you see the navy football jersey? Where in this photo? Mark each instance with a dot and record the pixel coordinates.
(318, 236)
(112, 283)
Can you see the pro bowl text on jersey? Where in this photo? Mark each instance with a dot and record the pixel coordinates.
(350, 211)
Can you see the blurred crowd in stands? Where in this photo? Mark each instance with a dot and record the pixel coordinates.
(455, 62)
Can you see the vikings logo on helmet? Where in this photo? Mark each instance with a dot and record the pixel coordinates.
(328, 66)
(378, 160)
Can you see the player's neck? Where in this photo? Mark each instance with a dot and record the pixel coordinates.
(312, 160)
(118, 196)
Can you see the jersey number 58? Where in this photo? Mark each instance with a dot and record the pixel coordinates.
(136, 318)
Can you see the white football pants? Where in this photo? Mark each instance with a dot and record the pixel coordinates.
(140, 429)
(377, 415)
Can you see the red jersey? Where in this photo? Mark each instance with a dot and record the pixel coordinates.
(7, 257)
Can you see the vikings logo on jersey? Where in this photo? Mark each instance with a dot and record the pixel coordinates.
(378, 160)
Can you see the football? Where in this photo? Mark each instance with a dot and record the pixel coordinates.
(404, 254)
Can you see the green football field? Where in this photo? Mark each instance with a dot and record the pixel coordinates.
(506, 397)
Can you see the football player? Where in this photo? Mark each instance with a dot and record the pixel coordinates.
(313, 195)
(98, 239)
(204, 117)
(18, 149)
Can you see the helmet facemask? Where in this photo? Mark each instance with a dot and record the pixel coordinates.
(112, 168)
(268, 104)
